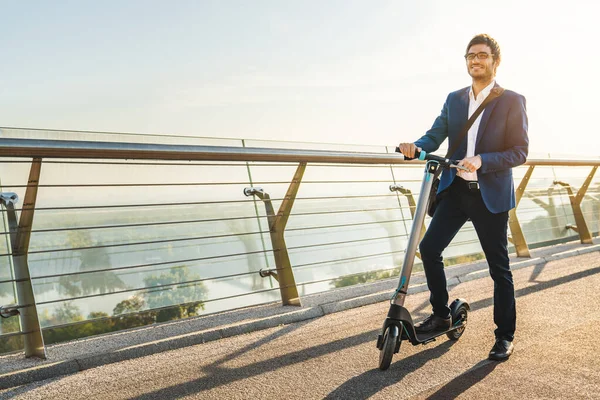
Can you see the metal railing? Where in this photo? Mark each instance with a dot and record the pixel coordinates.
(226, 231)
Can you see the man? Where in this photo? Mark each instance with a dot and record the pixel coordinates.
(496, 142)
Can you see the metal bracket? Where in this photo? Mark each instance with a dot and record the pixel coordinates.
(264, 273)
(9, 199)
(254, 191)
(409, 196)
(9, 311)
(573, 227)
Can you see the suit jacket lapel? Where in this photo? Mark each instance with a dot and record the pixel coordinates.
(463, 111)
(463, 115)
(485, 117)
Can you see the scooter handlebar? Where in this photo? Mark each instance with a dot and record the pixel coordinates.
(422, 155)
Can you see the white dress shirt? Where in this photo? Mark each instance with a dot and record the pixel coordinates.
(474, 103)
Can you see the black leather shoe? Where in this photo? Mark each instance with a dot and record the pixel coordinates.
(502, 350)
(433, 323)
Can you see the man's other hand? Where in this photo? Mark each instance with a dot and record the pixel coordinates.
(471, 163)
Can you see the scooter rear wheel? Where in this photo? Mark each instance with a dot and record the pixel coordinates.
(390, 339)
(459, 317)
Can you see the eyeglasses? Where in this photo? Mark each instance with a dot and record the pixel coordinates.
(480, 56)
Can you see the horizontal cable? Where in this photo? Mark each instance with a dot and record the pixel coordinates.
(139, 243)
(343, 211)
(88, 185)
(337, 261)
(339, 225)
(345, 242)
(78, 228)
(552, 228)
(135, 205)
(151, 264)
(11, 334)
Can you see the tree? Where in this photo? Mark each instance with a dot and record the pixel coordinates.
(91, 259)
(184, 293)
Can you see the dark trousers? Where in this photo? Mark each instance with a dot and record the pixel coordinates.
(460, 203)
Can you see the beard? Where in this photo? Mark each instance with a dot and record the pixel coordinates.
(482, 75)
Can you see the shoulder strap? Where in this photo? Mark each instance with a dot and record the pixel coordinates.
(495, 92)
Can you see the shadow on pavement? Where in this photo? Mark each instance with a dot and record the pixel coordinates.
(537, 270)
(20, 390)
(219, 376)
(461, 383)
(371, 382)
(539, 286)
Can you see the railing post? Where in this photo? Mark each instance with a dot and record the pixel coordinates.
(20, 236)
(277, 222)
(580, 225)
(518, 239)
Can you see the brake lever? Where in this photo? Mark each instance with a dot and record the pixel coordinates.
(459, 167)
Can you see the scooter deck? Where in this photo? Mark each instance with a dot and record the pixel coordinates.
(430, 336)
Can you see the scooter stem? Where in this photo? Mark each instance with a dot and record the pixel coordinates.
(431, 171)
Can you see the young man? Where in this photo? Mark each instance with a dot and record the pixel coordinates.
(496, 142)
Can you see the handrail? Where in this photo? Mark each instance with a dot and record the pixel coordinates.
(150, 151)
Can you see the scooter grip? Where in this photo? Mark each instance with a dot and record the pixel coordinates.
(419, 154)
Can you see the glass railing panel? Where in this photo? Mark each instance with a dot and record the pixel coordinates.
(544, 210)
(7, 294)
(5, 265)
(9, 325)
(95, 235)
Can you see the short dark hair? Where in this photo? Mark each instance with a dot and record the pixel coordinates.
(486, 39)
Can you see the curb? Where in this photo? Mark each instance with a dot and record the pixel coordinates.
(380, 291)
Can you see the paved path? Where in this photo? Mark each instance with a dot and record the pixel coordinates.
(334, 356)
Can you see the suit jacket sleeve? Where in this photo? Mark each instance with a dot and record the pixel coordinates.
(516, 141)
(434, 137)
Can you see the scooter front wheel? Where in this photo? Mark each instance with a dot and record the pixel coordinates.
(390, 339)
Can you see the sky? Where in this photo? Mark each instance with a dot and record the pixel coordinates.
(372, 72)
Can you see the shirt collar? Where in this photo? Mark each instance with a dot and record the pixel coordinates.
(484, 93)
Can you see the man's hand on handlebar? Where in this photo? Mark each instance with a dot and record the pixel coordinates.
(408, 149)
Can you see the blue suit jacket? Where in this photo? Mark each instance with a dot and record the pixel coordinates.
(502, 143)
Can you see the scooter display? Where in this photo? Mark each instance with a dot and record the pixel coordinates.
(398, 325)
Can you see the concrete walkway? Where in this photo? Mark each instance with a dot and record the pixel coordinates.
(289, 352)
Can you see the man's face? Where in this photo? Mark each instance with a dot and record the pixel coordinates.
(481, 69)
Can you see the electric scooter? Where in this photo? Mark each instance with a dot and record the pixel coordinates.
(398, 325)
